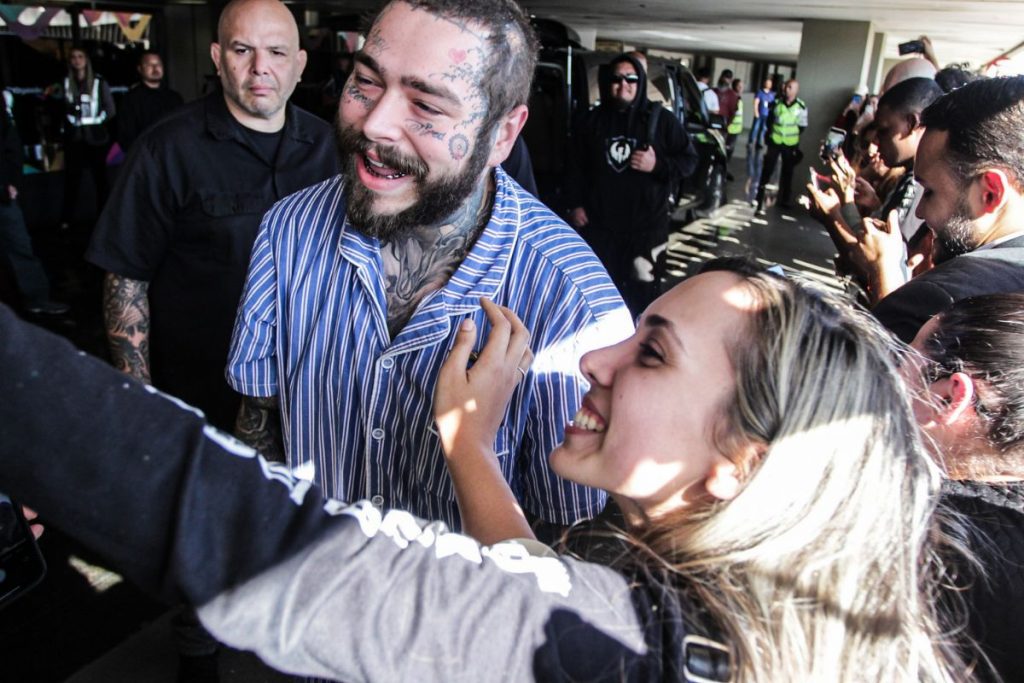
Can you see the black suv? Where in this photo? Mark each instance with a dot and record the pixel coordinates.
(565, 84)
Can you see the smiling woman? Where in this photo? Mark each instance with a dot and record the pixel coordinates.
(756, 439)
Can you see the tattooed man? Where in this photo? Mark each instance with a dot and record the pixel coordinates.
(358, 285)
(176, 234)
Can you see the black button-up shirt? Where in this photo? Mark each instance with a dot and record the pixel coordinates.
(183, 217)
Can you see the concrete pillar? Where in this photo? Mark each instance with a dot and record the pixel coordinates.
(834, 59)
(875, 73)
(588, 36)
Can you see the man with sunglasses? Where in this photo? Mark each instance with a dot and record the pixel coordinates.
(628, 154)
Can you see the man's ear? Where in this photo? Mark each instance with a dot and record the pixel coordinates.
(993, 185)
(507, 131)
(215, 56)
(956, 394)
(301, 57)
(914, 120)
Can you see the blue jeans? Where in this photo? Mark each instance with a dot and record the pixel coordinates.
(16, 248)
(757, 131)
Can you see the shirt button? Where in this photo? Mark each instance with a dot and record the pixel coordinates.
(387, 363)
(377, 433)
(378, 501)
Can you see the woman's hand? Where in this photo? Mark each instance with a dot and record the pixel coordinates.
(844, 178)
(470, 402)
(469, 405)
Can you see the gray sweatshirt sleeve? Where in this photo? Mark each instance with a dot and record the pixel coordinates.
(393, 599)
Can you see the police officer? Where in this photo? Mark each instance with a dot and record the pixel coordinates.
(786, 121)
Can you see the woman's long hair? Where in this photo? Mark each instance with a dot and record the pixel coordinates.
(821, 568)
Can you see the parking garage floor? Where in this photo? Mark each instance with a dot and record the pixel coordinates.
(86, 625)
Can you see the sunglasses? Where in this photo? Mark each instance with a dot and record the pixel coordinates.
(628, 78)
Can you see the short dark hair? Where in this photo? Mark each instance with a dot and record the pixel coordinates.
(953, 77)
(984, 120)
(146, 53)
(911, 96)
(703, 72)
(514, 48)
(983, 337)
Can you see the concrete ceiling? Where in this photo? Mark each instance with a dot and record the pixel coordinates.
(974, 32)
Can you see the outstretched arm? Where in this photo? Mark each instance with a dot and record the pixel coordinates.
(469, 403)
(126, 316)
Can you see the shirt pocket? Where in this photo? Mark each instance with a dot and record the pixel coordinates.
(443, 486)
(221, 226)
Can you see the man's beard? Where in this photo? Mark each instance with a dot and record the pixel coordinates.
(437, 199)
(956, 236)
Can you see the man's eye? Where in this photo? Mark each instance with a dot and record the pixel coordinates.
(426, 108)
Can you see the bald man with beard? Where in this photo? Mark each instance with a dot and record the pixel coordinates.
(176, 234)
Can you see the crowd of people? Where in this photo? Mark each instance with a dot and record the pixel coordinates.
(757, 480)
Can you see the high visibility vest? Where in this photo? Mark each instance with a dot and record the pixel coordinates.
(88, 109)
(788, 121)
(736, 125)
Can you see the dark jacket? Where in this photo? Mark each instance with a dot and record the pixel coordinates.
(316, 588)
(142, 107)
(628, 209)
(995, 601)
(11, 157)
(998, 270)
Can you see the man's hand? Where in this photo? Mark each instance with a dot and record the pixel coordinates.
(578, 217)
(643, 160)
(843, 177)
(30, 515)
(259, 426)
(865, 197)
(12, 192)
(824, 203)
(126, 316)
(929, 52)
(877, 253)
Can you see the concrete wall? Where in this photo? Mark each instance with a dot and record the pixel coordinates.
(190, 32)
(834, 59)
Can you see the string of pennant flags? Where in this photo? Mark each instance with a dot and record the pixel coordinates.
(29, 22)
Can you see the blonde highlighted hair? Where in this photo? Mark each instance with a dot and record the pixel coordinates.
(822, 567)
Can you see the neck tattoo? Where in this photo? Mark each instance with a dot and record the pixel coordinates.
(423, 259)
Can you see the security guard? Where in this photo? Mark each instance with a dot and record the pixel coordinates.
(787, 120)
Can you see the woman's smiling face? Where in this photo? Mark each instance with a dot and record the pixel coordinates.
(646, 431)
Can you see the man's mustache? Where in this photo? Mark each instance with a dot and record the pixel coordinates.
(353, 142)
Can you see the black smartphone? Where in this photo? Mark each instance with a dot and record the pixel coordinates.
(911, 47)
(833, 142)
(21, 564)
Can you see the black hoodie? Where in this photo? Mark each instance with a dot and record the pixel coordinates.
(627, 209)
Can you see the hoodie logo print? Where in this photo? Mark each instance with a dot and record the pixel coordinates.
(619, 150)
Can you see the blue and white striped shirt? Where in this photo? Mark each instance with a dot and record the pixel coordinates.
(357, 406)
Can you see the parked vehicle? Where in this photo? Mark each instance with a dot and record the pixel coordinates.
(566, 84)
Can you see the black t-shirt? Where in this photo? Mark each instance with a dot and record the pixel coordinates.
(183, 217)
(265, 144)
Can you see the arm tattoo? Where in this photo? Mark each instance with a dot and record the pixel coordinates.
(126, 316)
(259, 426)
(422, 260)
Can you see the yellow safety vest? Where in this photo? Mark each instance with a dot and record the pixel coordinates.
(789, 118)
(736, 125)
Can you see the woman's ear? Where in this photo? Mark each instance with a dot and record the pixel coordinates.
(956, 393)
(723, 481)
